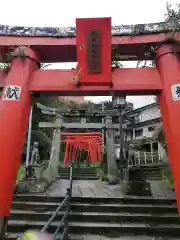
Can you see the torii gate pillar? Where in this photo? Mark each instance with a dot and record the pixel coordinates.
(110, 149)
(14, 114)
(169, 69)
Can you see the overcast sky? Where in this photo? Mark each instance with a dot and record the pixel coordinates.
(57, 13)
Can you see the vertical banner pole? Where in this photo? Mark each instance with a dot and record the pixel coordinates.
(29, 138)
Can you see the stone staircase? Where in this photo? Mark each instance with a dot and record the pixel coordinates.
(131, 217)
(153, 172)
(79, 173)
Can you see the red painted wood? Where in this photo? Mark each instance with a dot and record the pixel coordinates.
(103, 25)
(52, 49)
(131, 81)
(14, 116)
(80, 142)
(169, 69)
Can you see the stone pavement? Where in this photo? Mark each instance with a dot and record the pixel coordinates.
(97, 188)
(96, 237)
(160, 189)
(86, 188)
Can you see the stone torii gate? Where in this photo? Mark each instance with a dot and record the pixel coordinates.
(93, 44)
(58, 124)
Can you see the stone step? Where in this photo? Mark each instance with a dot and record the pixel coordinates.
(123, 217)
(85, 171)
(115, 218)
(153, 173)
(78, 174)
(96, 207)
(152, 170)
(103, 228)
(24, 198)
(154, 177)
(149, 168)
(14, 236)
(79, 169)
(80, 177)
(153, 166)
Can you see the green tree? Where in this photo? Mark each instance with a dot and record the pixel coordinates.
(173, 13)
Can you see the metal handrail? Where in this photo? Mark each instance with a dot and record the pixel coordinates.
(144, 158)
(64, 221)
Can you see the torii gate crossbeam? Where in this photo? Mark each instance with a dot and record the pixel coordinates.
(134, 81)
(93, 76)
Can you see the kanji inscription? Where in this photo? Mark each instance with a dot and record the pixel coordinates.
(12, 92)
(175, 89)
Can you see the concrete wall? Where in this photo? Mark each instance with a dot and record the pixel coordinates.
(162, 153)
(148, 114)
(117, 152)
(146, 130)
(128, 136)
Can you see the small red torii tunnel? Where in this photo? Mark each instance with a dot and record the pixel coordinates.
(93, 76)
(77, 143)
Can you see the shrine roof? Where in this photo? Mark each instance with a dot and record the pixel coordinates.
(140, 109)
(58, 44)
(120, 30)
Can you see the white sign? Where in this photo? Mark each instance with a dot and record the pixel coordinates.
(12, 92)
(175, 89)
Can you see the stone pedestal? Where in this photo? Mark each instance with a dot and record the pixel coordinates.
(45, 173)
(134, 182)
(38, 169)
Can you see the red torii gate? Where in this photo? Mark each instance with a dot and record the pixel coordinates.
(93, 76)
(76, 143)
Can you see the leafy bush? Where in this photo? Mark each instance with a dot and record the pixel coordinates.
(167, 174)
(21, 175)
